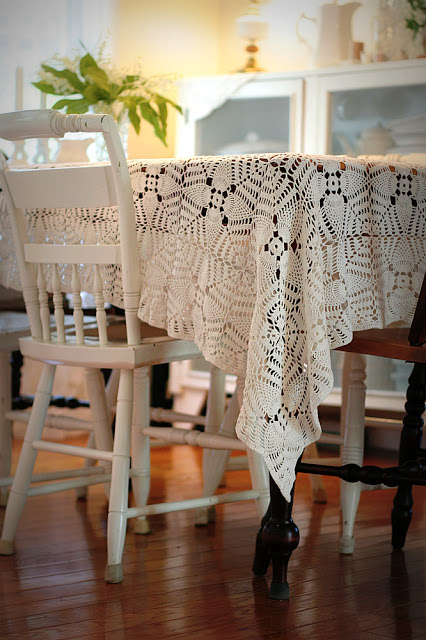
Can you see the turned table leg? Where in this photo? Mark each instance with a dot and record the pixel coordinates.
(276, 541)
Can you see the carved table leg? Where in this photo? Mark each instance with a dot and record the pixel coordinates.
(262, 557)
(280, 537)
(411, 436)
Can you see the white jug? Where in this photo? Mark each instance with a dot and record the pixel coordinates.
(334, 37)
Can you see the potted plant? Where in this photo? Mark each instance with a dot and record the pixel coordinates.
(84, 83)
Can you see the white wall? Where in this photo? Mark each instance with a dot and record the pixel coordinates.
(199, 37)
(32, 31)
(282, 51)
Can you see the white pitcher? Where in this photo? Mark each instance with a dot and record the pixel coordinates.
(334, 37)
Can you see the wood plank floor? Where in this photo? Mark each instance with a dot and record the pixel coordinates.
(186, 582)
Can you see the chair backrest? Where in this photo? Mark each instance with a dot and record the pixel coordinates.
(49, 187)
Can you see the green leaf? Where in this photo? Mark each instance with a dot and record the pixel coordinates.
(87, 62)
(46, 88)
(130, 79)
(134, 119)
(66, 74)
(60, 104)
(73, 106)
(99, 78)
(149, 114)
(93, 94)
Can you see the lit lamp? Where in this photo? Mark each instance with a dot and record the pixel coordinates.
(252, 28)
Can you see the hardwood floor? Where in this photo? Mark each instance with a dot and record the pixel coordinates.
(186, 582)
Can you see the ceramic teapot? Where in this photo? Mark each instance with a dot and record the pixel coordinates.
(334, 37)
(374, 141)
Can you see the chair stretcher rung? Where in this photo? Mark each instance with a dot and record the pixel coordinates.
(195, 438)
(57, 475)
(68, 423)
(180, 505)
(54, 487)
(167, 415)
(72, 450)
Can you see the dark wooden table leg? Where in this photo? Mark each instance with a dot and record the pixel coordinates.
(262, 557)
(280, 537)
(411, 437)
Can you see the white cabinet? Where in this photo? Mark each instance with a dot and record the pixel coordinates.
(342, 103)
(308, 111)
(240, 114)
(325, 111)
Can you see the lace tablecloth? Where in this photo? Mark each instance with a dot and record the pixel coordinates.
(267, 262)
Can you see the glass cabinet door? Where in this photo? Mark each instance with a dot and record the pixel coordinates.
(251, 115)
(379, 109)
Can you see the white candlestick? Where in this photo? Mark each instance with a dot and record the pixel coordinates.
(42, 100)
(19, 95)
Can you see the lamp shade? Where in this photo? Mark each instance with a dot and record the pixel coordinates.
(252, 28)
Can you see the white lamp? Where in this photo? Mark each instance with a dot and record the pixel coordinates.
(252, 28)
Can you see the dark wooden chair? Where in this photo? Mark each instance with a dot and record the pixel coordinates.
(278, 535)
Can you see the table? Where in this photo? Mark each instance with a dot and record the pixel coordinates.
(267, 262)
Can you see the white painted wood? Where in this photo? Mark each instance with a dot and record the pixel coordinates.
(22, 479)
(68, 449)
(117, 513)
(214, 417)
(195, 438)
(320, 85)
(352, 417)
(195, 503)
(52, 187)
(56, 475)
(264, 85)
(55, 187)
(77, 305)
(102, 433)
(55, 421)
(44, 304)
(100, 309)
(141, 445)
(72, 254)
(58, 305)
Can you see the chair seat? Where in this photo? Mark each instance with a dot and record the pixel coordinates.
(387, 343)
(116, 355)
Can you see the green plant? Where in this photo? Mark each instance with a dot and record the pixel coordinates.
(417, 18)
(99, 86)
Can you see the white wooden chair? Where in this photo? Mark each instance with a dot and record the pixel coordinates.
(92, 186)
(13, 326)
(353, 418)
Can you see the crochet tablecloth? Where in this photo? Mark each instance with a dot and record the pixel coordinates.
(267, 262)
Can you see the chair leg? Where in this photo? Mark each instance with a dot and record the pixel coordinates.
(100, 416)
(410, 442)
(81, 492)
(215, 460)
(258, 470)
(117, 513)
(280, 537)
(140, 446)
(352, 426)
(22, 478)
(5, 425)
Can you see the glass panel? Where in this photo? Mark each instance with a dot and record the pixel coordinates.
(255, 125)
(357, 118)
